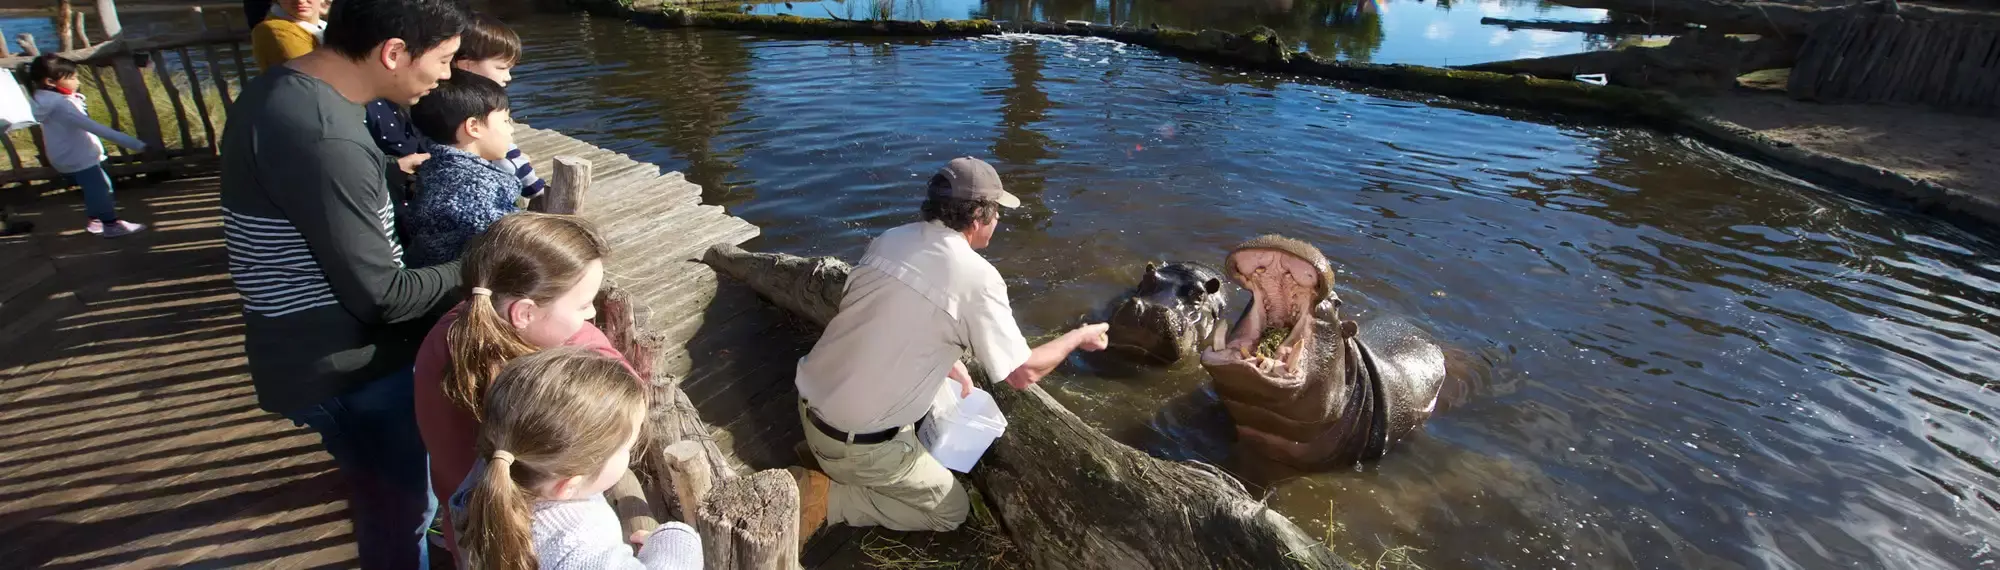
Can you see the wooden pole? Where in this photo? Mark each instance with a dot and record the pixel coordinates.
(200, 102)
(629, 500)
(64, 13)
(82, 39)
(215, 72)
(107, 17)
(174, 95)
(13, 154)
(751, 523)
(138, 100)
(687, 466)
(566, 188)
(104, 96)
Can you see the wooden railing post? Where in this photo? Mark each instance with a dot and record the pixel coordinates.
(107, 15)
(567, 185)
(82, 39)
(139, 100)
(64, 41)
(628, 498)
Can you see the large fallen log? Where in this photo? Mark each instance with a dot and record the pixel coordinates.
(1069, 496)
(1700, 61)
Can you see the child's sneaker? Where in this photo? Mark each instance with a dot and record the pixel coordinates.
(121, 228)
(96, 226)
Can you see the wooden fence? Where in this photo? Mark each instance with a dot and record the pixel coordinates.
(1887, 58)
(171, 91)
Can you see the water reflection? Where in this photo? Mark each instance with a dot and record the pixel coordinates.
(1389, 31)
(1681, 361)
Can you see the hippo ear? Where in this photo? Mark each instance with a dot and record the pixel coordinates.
(1150, 268)
(1212, 285)
(1348, 329)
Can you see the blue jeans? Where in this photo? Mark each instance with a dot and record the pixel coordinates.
(372, 435)
(96, 193)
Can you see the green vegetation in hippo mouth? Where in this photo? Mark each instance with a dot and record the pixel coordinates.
(1267, 345)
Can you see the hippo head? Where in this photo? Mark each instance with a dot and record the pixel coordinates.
(1168, 313)
(1275, 344)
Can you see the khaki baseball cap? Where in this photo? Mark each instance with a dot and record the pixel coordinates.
(968, 178)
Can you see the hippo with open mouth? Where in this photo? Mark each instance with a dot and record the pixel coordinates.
(1166, 315)
(1304, 387)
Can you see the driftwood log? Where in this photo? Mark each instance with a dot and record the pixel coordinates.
(1698, 61)
(1069, 496)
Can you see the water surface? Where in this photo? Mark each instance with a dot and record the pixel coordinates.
(1679, 361)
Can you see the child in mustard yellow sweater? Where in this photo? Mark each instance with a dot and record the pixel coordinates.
(293, 28)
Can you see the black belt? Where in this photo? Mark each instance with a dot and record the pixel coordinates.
(859, 438)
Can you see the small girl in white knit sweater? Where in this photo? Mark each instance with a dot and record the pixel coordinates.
(559, 429)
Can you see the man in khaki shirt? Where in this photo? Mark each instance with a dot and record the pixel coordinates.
(920, 298)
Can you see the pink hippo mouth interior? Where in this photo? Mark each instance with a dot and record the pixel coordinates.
(1276, 332)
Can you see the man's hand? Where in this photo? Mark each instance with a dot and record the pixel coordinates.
(1095, 337)
(1044, 359)
(408, 163)
(964, 378)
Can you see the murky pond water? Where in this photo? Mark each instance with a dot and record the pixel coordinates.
(1679, 361)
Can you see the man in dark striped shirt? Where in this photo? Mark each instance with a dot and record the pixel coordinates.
(332, 317)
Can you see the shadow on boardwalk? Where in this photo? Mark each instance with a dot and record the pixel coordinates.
(129, 434)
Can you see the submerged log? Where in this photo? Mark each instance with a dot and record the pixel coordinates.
(1069, 496)
(1606, 28)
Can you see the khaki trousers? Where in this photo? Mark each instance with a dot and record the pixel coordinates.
(894, 484)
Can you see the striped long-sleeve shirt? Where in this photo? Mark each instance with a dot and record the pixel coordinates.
(517, 163)
(310, 230)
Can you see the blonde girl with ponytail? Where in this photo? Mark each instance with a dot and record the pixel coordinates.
(530, 282)
(559, 429)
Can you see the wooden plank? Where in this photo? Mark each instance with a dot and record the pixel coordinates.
(201, 99)
(145, 118)
(1889, 30)
(1901, 60)
(181, 118)
(642, 231)
(1973, 71)
(104, 98)
(215, 71)
(242, 74)
(611, 184)
(13, 154)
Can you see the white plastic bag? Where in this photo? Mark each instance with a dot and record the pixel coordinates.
(960, 430)
(16, 112)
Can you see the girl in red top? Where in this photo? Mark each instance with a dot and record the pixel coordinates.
(531, 282)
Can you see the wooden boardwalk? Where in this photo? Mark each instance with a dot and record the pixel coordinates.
(130, 437)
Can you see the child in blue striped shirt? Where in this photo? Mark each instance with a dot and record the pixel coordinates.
(490, 49)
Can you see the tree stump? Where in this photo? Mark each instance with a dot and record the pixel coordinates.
(751, 522)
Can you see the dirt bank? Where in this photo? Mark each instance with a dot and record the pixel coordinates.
(1954, 151)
